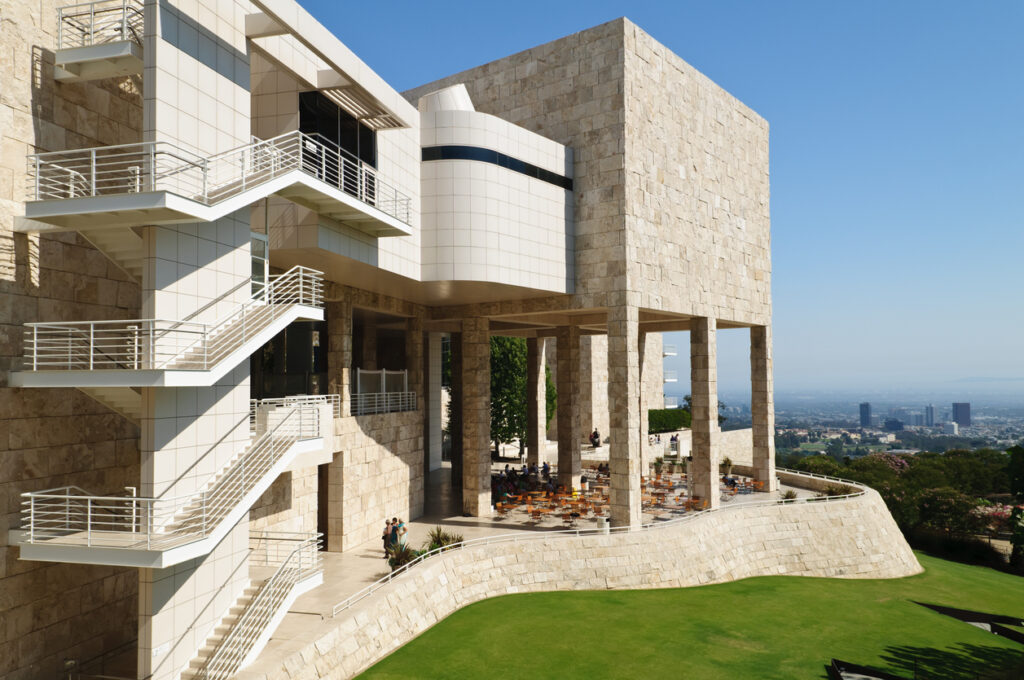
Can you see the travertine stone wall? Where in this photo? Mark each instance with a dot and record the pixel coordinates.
(377, 473)
(594, 384)
(535, 402)
(49, 438)
(853, 538)
(290, 504)
(696, 172)
(624, 453)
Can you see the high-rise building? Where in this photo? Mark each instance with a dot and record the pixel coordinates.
(962, 413)
(929, 415)
(865, 414)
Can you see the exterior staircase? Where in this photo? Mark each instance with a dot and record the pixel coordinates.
(70, 525)
(171, 353)
(160, 183)
(295, 563)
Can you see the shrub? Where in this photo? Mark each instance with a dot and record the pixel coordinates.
(836, 490)
(789, 495)
(968, 549)
(439, 538)
(402, 555)
(667, 420)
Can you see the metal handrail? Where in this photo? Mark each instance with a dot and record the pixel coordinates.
(573, 533)
(162, 166)
(301, 563)
(334, 400)
(98, 23)
(72, 516)
(153, 344)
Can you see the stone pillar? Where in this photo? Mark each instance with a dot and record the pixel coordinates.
(762, 406)
(455, 409)
(704, 390)
(570, 433)
(536, 400)
(551, 362)
(414, 357)
(644, 405)
(368, 355)
(339, 351)
(432, 400)
(624, 414)
(476, 417)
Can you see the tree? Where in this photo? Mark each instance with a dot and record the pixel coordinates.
(1015, 471)
(508, 391)
(688, 407)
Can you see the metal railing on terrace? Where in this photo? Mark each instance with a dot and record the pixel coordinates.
(98, 23)
(523, 536)
(297, 557)
(382, 392)
(162, 166)
(289, 402)
(668, 350)
(670, 376)
(154, 344)
(72, 516)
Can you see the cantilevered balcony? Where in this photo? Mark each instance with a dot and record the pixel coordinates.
(69, 524)
(160, 183)
(668, 350)
(166, 353)
(99, 40)
(670, 377)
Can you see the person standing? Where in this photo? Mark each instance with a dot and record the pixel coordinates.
(401, 531)
(387, 538)
(394, 533)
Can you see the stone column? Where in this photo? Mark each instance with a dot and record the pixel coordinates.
(414, 357)
(476, 417)
(432, 399)
(644, 405)
(536, 399)
(339, 351)
(762, 406)
(704, 390)
(551, 362)
(570, 433)
(624, 414)
(368, 355)
(455, 409)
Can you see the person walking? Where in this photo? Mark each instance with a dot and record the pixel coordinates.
(386, 536)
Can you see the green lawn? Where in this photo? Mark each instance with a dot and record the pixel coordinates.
(769, 627)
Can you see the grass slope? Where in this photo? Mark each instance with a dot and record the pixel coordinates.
(768, 627)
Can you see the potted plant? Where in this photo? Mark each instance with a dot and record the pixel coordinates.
(658, 463)
(726, 466)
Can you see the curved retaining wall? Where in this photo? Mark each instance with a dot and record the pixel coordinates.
(848, 538)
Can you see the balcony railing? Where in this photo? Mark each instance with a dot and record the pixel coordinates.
(161, 166)
(383, 402)
(670, 376)
(153, 344)
(297, 558)
(98, 23)
(290, 402)
(668, 350)
(671, 402)
(382, 391)
(71, 516)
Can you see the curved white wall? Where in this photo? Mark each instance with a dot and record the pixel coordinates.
(848, 538)
(484, 222)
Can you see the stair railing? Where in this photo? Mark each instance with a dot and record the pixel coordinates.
(155, 344)
(298, 564)
(72, 516)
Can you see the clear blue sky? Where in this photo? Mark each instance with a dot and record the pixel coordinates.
(897, 162)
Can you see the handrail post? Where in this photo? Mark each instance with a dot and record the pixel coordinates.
(124, 19)
(92, 343)
(31, 519)
(35, 347)
(92, 24)
(88, 522)
(39, 179)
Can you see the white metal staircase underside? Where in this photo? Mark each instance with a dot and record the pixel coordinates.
(125, 401)
(124, 247)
